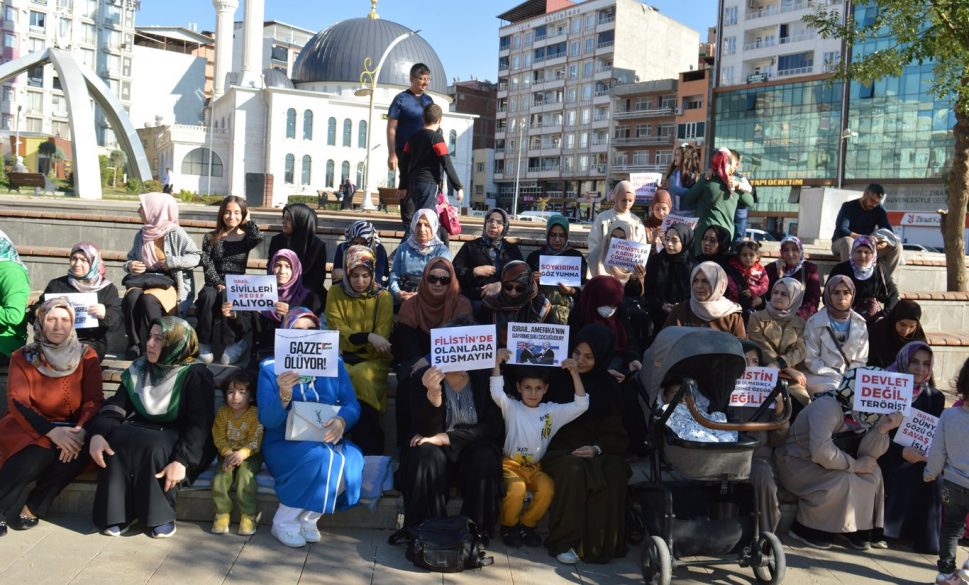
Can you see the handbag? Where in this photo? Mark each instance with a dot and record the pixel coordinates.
(147, 280)
(448, 215)
(306, 419)
(448, 544)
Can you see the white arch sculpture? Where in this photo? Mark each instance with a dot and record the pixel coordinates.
(79, 85)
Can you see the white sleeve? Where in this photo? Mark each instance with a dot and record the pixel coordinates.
(499, 396)
(563, 414)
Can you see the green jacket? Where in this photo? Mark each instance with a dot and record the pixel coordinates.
(14, 294)
(713, 207)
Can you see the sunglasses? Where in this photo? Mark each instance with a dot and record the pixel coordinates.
(431, 279)
(519, 288)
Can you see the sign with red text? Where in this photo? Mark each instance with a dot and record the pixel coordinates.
(645, 185)
(916, 431)
(880, 392)
(753, 387)
(308, 352)
(81, 302)
(538, 344)
(556, 270)
(673, 219)
(463, 349)
(250, 292)
(627, 254)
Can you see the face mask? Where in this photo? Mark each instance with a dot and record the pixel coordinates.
(606, 311)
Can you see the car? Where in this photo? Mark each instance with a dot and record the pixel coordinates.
(912, 247)
(760, 235)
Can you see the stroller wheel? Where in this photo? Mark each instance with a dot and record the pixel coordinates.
(656, 561)
(769, 562)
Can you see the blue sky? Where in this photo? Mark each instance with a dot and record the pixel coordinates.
(463, 32)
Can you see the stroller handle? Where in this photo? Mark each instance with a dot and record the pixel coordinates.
(750, 427)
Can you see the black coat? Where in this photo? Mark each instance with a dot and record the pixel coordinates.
(879, 286)
(430, 420)
(478, 253)
(96, 337)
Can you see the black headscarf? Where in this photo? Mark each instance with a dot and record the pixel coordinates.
(304, 229)
(723, 249)
(884, 342)
(602, 388)
(668, 275)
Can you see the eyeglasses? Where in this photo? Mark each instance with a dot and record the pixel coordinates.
(494, 222)
(557, 236)
(509, 287)
(432, 279)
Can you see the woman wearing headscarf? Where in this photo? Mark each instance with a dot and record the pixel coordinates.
(160, 247)
(53, 389)
(86, 274)
(519, 301)
(438, 301)
(623, 199)
(661, 206)
(561, 296)
(361, 233)
(714, 246)
(14, 294)
(912, 506)
(479, 262)
(779, 332)
(362, 311)
(311, 478)
(154, 434)
(875, 291)
(668, 274)
(420, 246)
(299, 235)
(715, 198)
(792, 264)
(835, 338)
(838, 492)
(586, 459)
(707, 306)
(887, 337)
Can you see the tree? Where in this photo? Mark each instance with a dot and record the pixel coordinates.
(541, 203)
(46, 150)
(118, 159)
(921, 31)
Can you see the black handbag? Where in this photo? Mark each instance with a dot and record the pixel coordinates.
(447, 545)
(147, 280)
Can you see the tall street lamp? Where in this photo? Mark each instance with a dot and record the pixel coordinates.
(368, 81)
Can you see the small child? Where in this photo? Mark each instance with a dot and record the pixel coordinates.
(755, 280)
(237, 435)
(949, 455)
(529, 427)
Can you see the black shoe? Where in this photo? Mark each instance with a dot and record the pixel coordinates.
(402, 536)
(25, 522)
(3, 527)
(857, 540)
(511, 536)
(808, 537)
(529, 537)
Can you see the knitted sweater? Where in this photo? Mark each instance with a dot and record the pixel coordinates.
(237, 434)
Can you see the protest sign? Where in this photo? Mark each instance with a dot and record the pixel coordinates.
(80, 301)
(673, 219)
(538, 344)
(248, 292)
(880, 392)
(308, 352)
(565, 270)
(462, 349)
(627, 254)
(917, 431)
(645, 185)
(754, 386)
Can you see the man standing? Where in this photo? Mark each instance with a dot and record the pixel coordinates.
(347, 189)
(867, 217)
(404, 119)
(168, 181)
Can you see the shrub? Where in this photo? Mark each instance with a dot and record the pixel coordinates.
(152, 186)
(105, 172)
(310, 200)
(135, 187)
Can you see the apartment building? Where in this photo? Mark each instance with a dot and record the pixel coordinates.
(478, 98)
(281, 45)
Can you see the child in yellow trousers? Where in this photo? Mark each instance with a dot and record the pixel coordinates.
(529, 427)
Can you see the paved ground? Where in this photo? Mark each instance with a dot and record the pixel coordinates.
(66, 550)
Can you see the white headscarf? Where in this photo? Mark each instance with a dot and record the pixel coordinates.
(716, 307)
(431, 217)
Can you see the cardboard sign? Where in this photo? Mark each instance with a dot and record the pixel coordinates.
(308, 352)
(627, 254)
(556, 270)
(80, 302)
(538, 344)
(917, 431)
(673, 219)
(880, 392)
(754, 386)
(463, 349)
(645, 185)
(248, 292)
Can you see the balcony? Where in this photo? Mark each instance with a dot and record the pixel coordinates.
(761, 44)
(606, 44)
(607, 19)
(642, 140)
(796, 71)
(758, 77)
(804, 36)
(644, 113)
(752, 14)
(638, 168)
(601, 91)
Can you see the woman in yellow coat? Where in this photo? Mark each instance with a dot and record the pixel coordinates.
(363, 312)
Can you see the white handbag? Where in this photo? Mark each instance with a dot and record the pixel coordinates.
(306, 419)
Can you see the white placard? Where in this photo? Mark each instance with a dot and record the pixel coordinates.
(917, 430)
(565, 270)
(627, 254)
(673, 219)
(538, 344)
(645, 185)
(463, 349)
(308, 352)
(880, 392)
(250, 292)
(754, 386)
(80, 301)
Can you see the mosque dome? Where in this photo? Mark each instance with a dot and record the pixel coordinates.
(277, 78)
(336, 54)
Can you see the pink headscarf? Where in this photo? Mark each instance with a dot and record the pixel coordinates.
(161, 217)
(293, 292)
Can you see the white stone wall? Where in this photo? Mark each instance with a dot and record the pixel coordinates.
(652, 44)
(176, 96)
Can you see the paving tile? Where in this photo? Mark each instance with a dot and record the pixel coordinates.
(265, 561)
(344, 556)
(199, 557)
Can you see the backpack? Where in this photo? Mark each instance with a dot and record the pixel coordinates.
(449, 544)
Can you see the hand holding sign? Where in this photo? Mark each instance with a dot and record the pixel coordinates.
(560, 270)
(463, 349)
(82, 303)
(753, 387)
(251, 292)
(307, 352)
(917, 431)
(626, 254)
(881, 392)
(538, 343)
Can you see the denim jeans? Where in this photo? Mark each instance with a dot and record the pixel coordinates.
(955, 506)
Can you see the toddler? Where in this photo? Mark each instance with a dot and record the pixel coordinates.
(237, 435)
(755, 282)
(529, 427)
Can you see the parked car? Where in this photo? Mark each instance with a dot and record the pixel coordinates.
(911, 247)
(760, 235)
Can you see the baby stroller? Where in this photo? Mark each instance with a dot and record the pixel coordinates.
(697, 500)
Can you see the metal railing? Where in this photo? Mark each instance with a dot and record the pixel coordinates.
(795, 71)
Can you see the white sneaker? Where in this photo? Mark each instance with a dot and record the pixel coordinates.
(291, 539)
(310, 533)
(569, 557)
(232, 353)
(205, 353)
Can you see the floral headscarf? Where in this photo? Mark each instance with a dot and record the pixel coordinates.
(355, 257)
(297, 313)
(8, 252)
(515, 272)
(292, 292)
(94, 280)
(784, 269)
(504, 231)
(716, 306)
(161, 217)
(156, 388)
(864, 272)
(795, 295)
(432, 221)
(50, 359)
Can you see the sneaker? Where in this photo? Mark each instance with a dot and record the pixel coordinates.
(248, 524)
(857, 540)
(117, 529)
(289, 538)
(511, 536)
(880, 543)
(530, 537)
(811, 542)
(232, 353)
(310, 533)
(166, 530)
(569, 557)
(221, 524)
(205, 353)
(950, 579)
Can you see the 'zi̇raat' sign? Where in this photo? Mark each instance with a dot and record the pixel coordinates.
(308, 352)
(463, 349)
(556, 270)
(880, 392)
(538, 344)
(249, 292)
(754, 386)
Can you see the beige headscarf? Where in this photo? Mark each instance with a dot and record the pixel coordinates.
(716, 307)
(50, 359)
(795, 294)
(600, 268)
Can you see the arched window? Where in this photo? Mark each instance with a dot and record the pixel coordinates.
(452, 143)
(196, 163)
(307, 170)
(291, 123)
(290, 169)
(347, 131)
(362, 134)
(344, 171)
(360, 174)
(331, 132)
(329, 172)
(308, 125)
